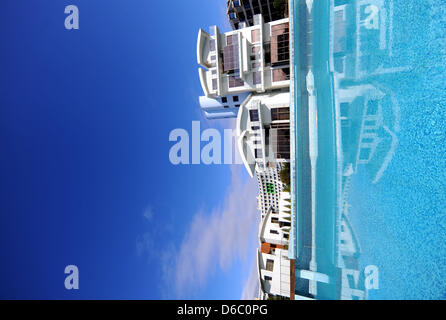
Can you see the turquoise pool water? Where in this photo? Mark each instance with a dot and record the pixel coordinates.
(380, 182)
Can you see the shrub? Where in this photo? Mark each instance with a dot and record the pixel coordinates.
(285, 174)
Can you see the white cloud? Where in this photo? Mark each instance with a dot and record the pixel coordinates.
(214, 240)
(251, 288)
(145, 244)
(148, 242)
(148, 213)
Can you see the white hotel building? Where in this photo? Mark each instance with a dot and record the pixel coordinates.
(263, 130)
(245, 74)
(263, 141)
(274, 266)
(270, 187)
(237, 63)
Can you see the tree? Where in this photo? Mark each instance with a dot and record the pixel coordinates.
(279, 4)
(285, 174)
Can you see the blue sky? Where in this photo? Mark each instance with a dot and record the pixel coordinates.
(85, 176)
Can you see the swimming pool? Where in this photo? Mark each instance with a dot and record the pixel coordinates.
(377, 195)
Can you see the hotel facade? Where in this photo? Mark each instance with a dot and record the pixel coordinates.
(244, 74)
(274, 266)
(241, 12)
(238, 63)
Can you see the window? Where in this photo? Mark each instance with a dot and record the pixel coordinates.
(255, 35)
(235, 98)
(230, 59)
(255, 128)
(214, 84)
(344, 108)
(339, 64)
(280, 113)
(269, 265)
(280, 141)
(231, 54)
(230, 39)
(274, 220)
(224, 99)
(274, 232)
(254, 115)
(351, 281)
(212, 45)
(267, 53)
(269, 188)
(372, 107)
(255, 49)
(280, 53)
(225, 107)
(256, 64)
(364, 154)
(237, 106)
(214, 72)
(268, 278)
(235, 82)
(256, 142)
(284, 224)
(281, 74)
(212, 58)
(258, 153)
(256, 78)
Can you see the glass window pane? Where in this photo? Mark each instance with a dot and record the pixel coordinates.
(269, 265)
(256, 79)
(253, 115)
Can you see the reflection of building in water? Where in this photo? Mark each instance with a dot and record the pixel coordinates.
(348, 242)
(351, 280)
(369, 50)
(360, 115)
(352, 285)
(368, 113)
(367, 119)
(340, 49)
